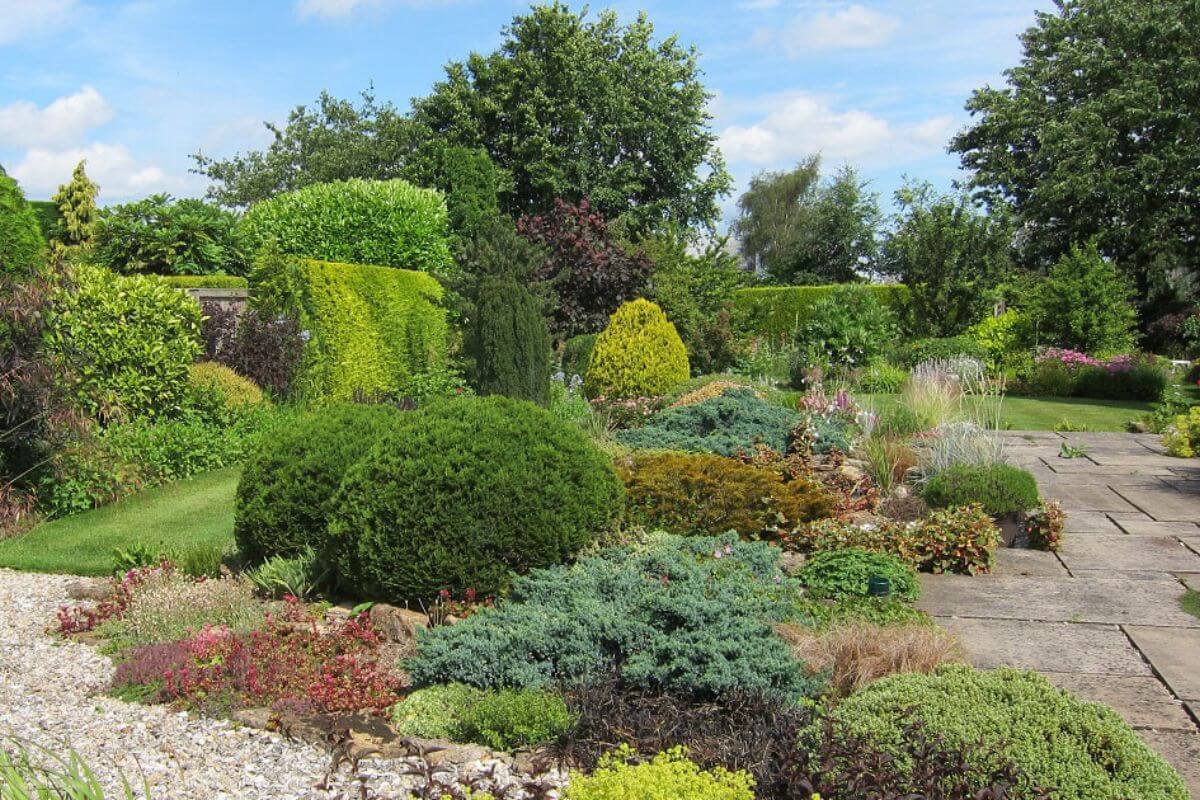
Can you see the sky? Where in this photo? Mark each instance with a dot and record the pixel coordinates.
(136, 86)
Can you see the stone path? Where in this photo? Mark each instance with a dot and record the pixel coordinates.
(1102, 617)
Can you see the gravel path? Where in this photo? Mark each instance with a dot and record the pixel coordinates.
(51, 695)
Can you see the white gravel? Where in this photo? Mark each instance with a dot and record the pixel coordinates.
(51, 695)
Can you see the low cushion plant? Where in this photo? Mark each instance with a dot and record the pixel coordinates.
(668, 774)
(231, 389)
(840, 574)
(285, 494)
(504, 719)
(1000, 488)
(464, 493)
(639, 354)
(735, 422)
(1080, 750)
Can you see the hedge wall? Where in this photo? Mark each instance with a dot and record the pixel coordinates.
(778, 310)
(48, 216)
(369, 328)
(206, 281)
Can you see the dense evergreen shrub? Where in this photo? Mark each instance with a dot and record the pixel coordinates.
(688, 614)
(911, 352)
(371, 330)
(389, 223)
(468, 178)
(844, 573)
(734, 422)
(22, 246)
(706, 495)
(124, 343)
(577, 353)
(285, 494)
(1080, 750)
(639, 354)
(226, 386)
(162, 236)
(510, 342)
(777, 311)
(999, 488)
(463, 495)
(846, 328)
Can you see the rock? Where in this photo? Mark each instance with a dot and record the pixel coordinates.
(791, 563)
(397, 624)
(864, 518)
(457, 755)
(89, 589)
(851, 473)
(260, 718)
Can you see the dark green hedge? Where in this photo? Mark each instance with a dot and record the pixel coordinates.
(778, 310)
(48, 216)
(206, 281)
(371, 328)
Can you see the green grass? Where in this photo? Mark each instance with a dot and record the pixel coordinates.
(1190, 602)
(1044, 413)
(171, 518)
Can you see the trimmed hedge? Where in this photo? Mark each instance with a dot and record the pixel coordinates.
(1082, 750)
(465, 493)
(22, 242)
(370, 329)
(639, 354)
(999, 488)
(778, 311)
(225, 386)
(205, 281)
(290, 478)
(391, 223)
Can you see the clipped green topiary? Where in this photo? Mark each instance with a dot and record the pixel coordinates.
(22, 246)
(735, 422)
(844, 574)
(465, 493)
(1080, 750)
(389, 223)
(639, 354)
(510, 342)
(229, 388)
(999, 488)
(289, 480)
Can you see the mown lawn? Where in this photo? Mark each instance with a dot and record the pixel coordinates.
(1045, 413)
(179, 516)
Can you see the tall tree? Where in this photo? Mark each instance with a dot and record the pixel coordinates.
(951, 254)
(1096, 135)
(576, 109)
(76, 203)
(796, 228)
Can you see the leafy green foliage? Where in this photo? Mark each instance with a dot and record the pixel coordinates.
(797, 229)
(606, 91)
(881, 377)
(470, 181)
(433, 712)
(668, 774)
(839, 574)
(1182, 437)
(124, 343)
(286, 492)
(706, 495)
(1084, 304)
(689, 614)
(76, 203)
(999, 488)
(162, 236)
(777, 311)
(462, 494)
(911, 352)
(1085, 751)
(205, 281)
(22, 247)
(639, 354)
(734, 422)
(577, 354)
(226, 387)
(385, 223)
(847, 328)
(372, 329)
(510, 342)
(1003, 340)
(283, 576)
(509, 719)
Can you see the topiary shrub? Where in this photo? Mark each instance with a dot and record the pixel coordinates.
(669, 774)
(1081, 750)
(639, 354)
(577, 353)
(840, 574)
(735, 422)
(285, 494)
(706, 495)
(687, 614)
(999, 488)
(226, 386)
(22, 245)
(510, 342)
(465, 493)
(125, 343)
(390, 223)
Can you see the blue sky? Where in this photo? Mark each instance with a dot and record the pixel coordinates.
(135, 86)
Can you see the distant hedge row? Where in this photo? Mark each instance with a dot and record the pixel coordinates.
(779, 310)
(206, 281)
(370, 329)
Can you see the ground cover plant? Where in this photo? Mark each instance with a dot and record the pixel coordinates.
(999, 488)
(735, 422)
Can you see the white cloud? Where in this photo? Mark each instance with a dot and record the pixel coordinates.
(852, 27)
(119, 175)
(64, 122)
(332, 9)
(20, 18)
(804, 123)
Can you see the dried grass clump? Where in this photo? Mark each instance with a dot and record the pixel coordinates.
(855, 653)
(169, 606)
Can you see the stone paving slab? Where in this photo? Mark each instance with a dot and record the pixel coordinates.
(1090, 498)
(1182, 485)
(1122, 458)
(1182, 751)
(1019, 561)
(1140, 525)
(1093, 522)
(1080, 466)
(1142, 700)
(1127, 553)
(1068, 479)
(1047, 646)
(1164, 505)
(1129, 574)
(1190, 580)
(1174, 654)
(1191, 542)
(1113, 601)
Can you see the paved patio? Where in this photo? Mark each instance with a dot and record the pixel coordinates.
(1102, 617)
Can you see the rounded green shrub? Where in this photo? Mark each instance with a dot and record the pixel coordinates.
(225, 385)
(289, 480)
(510, 342)
(21, 243)
(385, 223)
(843, 574)
(1080, 750)
(639, 354)
(434, 712)
(505, 719)
(668, 774)
(465, 493)
(999, 488)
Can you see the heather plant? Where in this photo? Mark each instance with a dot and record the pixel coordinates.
(735, 422)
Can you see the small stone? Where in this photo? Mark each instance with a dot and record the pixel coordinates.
(397, 624)
(791, 563)
(458, 754)
(89, 589)
(260, 718)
